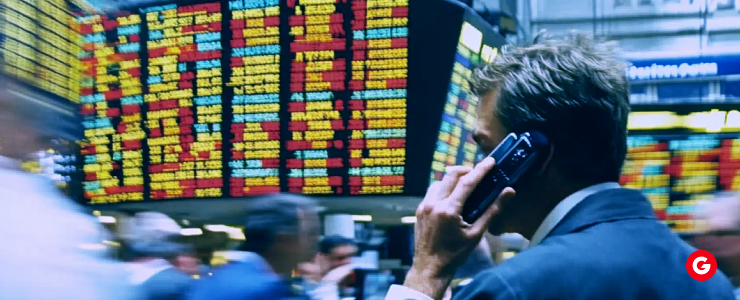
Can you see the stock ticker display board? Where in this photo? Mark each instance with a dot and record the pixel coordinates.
(455, 145)
(40, 46)
(243, 98)
(675, 172)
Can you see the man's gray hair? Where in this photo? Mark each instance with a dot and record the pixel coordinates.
(274, 214)
(574, 90)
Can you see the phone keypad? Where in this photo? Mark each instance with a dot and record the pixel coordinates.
(499, 176)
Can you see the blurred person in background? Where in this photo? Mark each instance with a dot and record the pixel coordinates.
(722, 239)
(589, 237)
(330, 269)
(52, 249)
(281, 231)
(335, 251)
(152, 238)
(310, 271)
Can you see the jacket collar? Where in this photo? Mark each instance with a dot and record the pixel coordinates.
(605, 206)
(565, 206)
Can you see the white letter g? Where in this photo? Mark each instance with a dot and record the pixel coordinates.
(704, 267)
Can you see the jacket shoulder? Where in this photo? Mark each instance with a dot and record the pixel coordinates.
(169, 284)
(239, 281)
(608, 262)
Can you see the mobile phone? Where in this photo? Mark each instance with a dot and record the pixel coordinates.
(514, 157)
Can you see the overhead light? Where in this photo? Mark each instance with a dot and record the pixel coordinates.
(234, 233)
(362, 218)
(111, 243)
(218, 228)
(408, 220)
(191, 231)
(733, 119)
(106, 219)
(653, 120)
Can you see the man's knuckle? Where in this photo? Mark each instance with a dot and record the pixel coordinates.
(426, 208)
(468, 181)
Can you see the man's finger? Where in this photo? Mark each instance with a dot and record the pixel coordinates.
(467, 183)
(450, 180)
(429, 199)
(439, 190)
(481, 225)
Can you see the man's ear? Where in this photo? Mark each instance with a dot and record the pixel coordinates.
(547, 161)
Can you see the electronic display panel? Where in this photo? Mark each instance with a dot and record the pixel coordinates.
(184, 101)
(255, 152)
(58, 45)
(347, 133)
(247, 97)
(40, 46)
(379, 97)
(455, 145)
(111, 105)
(19, 32)
(676, 171)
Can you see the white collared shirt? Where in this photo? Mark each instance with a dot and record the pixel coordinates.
(400, 292)
(140, 272)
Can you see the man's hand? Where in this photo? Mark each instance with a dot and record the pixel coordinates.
(442, 239)
(339, 276)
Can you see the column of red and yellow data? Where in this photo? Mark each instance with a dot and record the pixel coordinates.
(695, 173)
(729, 165)
(184, 102)
(115, 150)
(654, 185)
(379, 80)
(255, 80)
(317, 80)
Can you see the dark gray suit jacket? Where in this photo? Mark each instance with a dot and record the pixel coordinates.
(609, 247)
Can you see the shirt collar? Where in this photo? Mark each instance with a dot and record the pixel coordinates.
(142, 271)
(565, 206)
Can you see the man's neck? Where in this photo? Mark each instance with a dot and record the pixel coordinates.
(537, 216)
(539, 211)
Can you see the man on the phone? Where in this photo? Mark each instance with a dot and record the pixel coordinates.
(589, 238)
(334, 266)
(336, 251)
